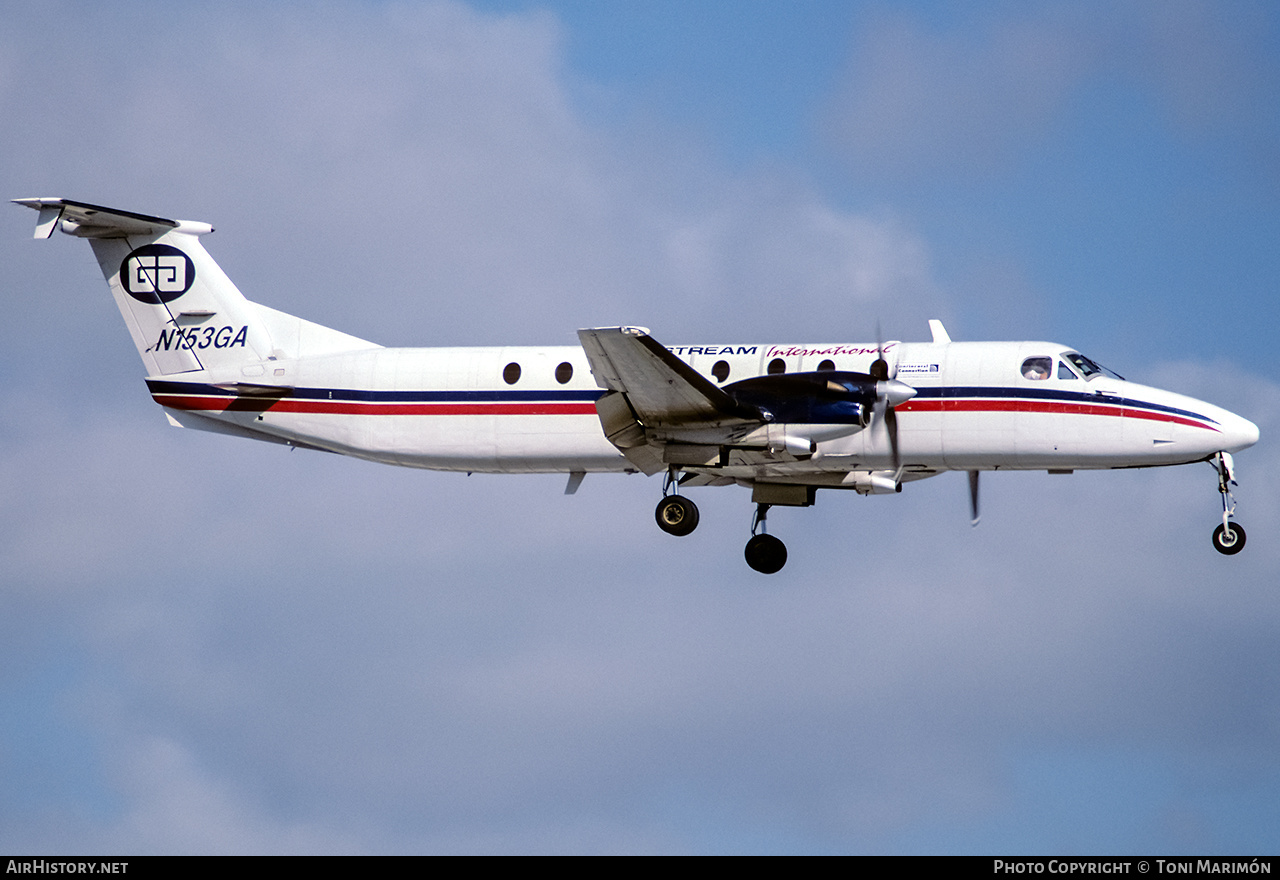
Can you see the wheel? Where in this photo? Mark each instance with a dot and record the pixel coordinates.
(766, 554)
(676, 515)
(1228, 542)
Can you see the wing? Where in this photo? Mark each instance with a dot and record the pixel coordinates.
(661, 413)
(664, 391)
(657, 404)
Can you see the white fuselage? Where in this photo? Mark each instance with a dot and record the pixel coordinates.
(452, 409)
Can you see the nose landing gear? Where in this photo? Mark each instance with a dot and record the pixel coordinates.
(1229, 537)
(765, 553)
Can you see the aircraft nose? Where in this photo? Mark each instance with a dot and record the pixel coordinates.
(1238, 432)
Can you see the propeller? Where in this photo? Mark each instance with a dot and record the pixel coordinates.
(892, 393)
(973, 498)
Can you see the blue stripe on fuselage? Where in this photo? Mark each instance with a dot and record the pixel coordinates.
(949, 392)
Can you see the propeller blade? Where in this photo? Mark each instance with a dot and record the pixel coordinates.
(892, 393)
(973, 498)
(889, 393)
(891, 423)
(880, 366)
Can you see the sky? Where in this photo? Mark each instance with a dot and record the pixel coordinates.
(215, 646)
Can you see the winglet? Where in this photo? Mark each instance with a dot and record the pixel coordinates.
(940, 336)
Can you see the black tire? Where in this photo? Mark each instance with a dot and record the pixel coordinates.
(676, 515)
(1228, 543)
(766, 554)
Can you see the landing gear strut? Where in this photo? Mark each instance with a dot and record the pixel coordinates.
(676, 515)
(1228, 538)
(765, 553)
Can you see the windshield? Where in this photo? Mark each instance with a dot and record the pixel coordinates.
(1090, 369)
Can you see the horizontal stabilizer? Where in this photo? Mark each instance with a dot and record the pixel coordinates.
(94, 221)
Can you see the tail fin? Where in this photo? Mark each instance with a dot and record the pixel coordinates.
(182, 310)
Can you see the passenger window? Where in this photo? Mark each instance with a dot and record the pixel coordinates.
(564, 372)
(1037, 368)
(1064, 372)
(720, 370)
(776, 366)
(827, 366)
(511, 373)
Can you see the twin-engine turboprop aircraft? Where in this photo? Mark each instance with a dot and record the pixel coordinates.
(782, 420)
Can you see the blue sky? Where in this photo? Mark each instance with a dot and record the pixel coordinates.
(207, 646)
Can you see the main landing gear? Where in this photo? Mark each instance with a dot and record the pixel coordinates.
(1228, 538)
(676, 515)
(765, 553)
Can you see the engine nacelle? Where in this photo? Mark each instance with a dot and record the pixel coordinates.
(872, 482)
(778, 441)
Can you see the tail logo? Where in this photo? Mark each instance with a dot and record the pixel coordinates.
(157, 273)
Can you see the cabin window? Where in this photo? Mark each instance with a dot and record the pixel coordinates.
(511, 373)
(1037, 368)
(564, 372)
(1064, 372)
(827, 366)
(720, 370)
(776, 366)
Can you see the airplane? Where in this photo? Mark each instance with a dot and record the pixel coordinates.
(781, 420)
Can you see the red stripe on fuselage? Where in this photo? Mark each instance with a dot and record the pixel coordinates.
(346, 407)
(355, 408)
(1045, 406)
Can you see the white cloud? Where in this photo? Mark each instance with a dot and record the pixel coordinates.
(385, 170)
(177, 808)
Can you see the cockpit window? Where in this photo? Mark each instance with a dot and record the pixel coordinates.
(1037, 368)
(1064, 372)
(1090, 369)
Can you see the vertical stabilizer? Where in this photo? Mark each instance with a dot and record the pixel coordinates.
(183, 312)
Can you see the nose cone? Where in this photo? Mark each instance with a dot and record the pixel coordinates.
(1237, 432)
(1198, 428)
